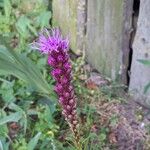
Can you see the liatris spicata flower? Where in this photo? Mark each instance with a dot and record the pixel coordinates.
(57, 49)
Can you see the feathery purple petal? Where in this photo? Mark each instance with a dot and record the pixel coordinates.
(53, 41)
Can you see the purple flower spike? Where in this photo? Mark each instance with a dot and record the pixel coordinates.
(57, 47)
(47, 42)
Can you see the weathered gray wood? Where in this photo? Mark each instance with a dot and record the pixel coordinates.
(81, 23)
(108, 30)
(70, 16)
(65, 16)
(127, 26)
(140, 74)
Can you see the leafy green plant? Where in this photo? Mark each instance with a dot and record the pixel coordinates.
(22, 67)
(24, 26)
(33, 142)
(23, 145)
(25, 89)
(46, 122)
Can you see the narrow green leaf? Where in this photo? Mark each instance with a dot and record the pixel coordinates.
(33, 142)
(23, 68)
(15, 107)
(147, 87)
(145, 62)
(4, 145)
(7, 8)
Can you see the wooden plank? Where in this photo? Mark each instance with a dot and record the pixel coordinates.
(81, 23)
(108, 32)
(70, 16)
(140, 74)
(126, 40)
(105, 28)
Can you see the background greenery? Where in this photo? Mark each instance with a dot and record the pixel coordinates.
(28, 102)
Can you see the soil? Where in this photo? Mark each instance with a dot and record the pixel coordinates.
(129, 133)
(131, 130)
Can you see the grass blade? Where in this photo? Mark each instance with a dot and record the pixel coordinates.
(33, 142)
(23, 68)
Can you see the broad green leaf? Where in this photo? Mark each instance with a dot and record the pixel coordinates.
(7, 91)
(14, 117)
(23, 26)
(33, 142)
(43, 19)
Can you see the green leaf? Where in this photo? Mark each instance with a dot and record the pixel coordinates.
(23, 26)
(147, 87)
(3, 128)
(43, 19)
(33, 142)
(23, 68)
(7, 8)
(15, 107)
(1, 145)
(102, 136)
(23, 120)
(145, 62)
(4, 144)
(11, 118)
(7, 91)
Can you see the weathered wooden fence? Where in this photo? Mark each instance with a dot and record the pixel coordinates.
(102, 28)
(140, 74)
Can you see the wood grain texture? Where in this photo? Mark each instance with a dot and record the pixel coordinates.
(102, 28)
(65, 16)
(140, 74)
(105, 28)
(126, 40)
(70, 16)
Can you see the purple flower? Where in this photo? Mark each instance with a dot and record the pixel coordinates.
(57, 47)
(47, 42)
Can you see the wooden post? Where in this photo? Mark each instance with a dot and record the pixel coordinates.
(108, 33)
(70, 16)
(140, 74)
(102, 28)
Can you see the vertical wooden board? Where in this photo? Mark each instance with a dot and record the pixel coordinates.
(107, 22)
(127, 41)
(70, 16)
(81, 23)
(104, 35)
(65, 16)
(140, 74)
